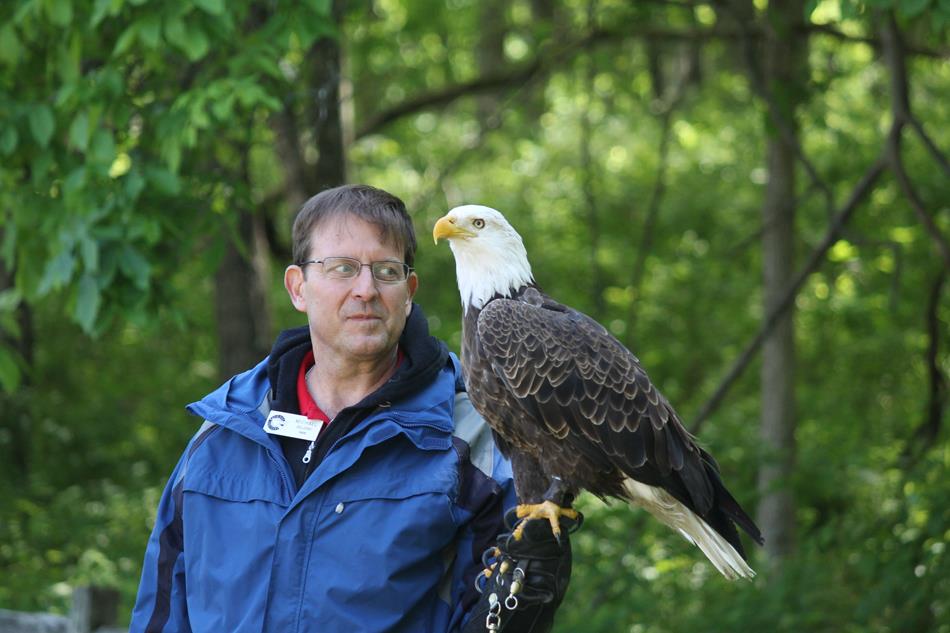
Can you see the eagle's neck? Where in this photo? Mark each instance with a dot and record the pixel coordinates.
(484, 275)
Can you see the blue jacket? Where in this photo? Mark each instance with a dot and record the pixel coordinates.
(385, 535)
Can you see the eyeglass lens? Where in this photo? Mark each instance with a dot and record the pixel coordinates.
(347, 268)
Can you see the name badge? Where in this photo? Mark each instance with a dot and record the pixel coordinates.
(292, 425)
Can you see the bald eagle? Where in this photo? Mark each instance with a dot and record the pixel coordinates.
(571, 406)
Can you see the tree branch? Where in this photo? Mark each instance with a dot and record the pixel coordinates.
(505, 78)
(587, 181)
(932, 423)
(861, 190)
(825, 29)
(546, 61)
(784, 126)
(900, 105)
(670, 100)
(930, 145)
(653, 211)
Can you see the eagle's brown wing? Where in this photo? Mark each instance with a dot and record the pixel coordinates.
(590, 390)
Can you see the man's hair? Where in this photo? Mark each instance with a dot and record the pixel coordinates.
(378, 207)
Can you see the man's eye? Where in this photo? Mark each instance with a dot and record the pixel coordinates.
(341, 268)
(388, 271)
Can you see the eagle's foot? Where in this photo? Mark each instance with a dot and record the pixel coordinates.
(490, 568)
(545, 510)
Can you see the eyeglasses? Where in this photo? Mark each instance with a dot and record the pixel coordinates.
(348, 268)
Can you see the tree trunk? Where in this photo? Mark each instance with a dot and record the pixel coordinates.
(242, 307)
(310, 170)
(325, 112)
(490, 54)
(785, 58)
(15, 406)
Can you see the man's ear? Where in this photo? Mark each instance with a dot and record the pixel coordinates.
(413, 284)
(293, 282)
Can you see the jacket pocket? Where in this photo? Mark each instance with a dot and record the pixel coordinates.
(382, 543)
(230, 523)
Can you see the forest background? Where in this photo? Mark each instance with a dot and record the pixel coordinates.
(752, 195)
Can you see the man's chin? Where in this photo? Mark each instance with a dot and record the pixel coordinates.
(367, 347)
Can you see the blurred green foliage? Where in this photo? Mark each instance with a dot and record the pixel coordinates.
(127, 129)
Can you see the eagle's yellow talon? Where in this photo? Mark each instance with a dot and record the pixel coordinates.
(546, 510)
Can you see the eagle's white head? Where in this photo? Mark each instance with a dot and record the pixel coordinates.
(490, 257)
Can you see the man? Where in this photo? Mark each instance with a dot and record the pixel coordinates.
(345, 483)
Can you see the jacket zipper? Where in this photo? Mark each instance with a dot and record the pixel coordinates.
(280, 469)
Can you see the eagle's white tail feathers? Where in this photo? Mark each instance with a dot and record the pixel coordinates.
(667, 509)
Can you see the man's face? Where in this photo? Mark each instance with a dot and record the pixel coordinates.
(351, 320)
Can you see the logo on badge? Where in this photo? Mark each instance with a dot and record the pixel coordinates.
(276, 422)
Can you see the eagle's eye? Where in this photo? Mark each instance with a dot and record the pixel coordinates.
(478, 223)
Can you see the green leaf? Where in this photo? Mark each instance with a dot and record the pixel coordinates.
(9, 300)
(99, 11)
(171, 152)
(60, 12)
(199, 117)
(176, 34)
(8, 140)
(321, 7)
(134, 266)
(150, 31)
(126, 40)
(8, 244)
(911, 8)
(134, 183)
(58, 271)
(87, 303)
(39, 168)
(164, 181)
(75, 181)
(63, 96)
(89, 249)
(25, 11)
(9, 370)
(214, 7)
(197, 44)
(10, 50)
(42, 124)
(223, 108)
(70, 57)
(9, 324)
(79, 131)
(112, 82)
(102, 148)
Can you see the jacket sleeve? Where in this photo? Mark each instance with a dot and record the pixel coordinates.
(486, 490)
(161, 606)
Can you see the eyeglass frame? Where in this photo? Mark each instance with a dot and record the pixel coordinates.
(408, 270)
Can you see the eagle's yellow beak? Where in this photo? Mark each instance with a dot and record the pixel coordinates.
(446, 228)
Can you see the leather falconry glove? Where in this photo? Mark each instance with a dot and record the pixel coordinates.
(524, 580)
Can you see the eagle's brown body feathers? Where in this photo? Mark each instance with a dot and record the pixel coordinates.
(529, 359)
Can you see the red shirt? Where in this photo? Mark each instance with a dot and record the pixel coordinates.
(308, 406)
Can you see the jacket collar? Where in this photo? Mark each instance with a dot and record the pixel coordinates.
(416, 395)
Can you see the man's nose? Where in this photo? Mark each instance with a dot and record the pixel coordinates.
(365, 284)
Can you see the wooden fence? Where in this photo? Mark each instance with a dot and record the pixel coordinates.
(93, 611)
